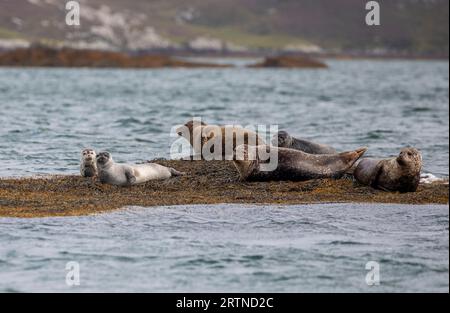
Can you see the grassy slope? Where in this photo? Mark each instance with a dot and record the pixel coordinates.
(236, 36)
(8, 34)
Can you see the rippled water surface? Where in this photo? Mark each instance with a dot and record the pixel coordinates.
(231, 248)
(48, 115)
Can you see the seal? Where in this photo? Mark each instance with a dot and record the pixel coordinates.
(206, 138)
(401, 173)
(293, 165)
(113, 173)
(284, 140)
(88, 166)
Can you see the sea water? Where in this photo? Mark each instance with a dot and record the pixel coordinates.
(231, 248)
(49, 115)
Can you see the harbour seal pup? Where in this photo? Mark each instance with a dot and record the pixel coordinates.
(88, 166)
(113, 173)
(284, 140)
(401, 173)
(293, 164)
(205, 138)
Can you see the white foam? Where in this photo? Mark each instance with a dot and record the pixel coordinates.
(428, 178)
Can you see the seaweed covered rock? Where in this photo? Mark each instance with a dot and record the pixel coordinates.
(39, 56)
(290, 62)
(211, 182)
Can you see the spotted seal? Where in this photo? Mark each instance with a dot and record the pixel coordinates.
(88, 164)
(205, 138)
(401, 173)
(113, 173)
(292, 164)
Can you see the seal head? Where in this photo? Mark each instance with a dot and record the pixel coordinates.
(282, 139)
(189, 126)
(104, 159)
(410, 158)
(88, 167)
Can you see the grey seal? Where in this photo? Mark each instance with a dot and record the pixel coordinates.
(205, 138)
(293, 165)
(88, 165)
(113, 173)
(401, 173)
(284, 140)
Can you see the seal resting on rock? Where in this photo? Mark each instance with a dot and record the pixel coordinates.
(113, 173)
(284, 140)
(293, 165)
(401, 173)
(88, 166)
(227, 138)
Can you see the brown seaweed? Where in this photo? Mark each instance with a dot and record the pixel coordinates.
(205, 183)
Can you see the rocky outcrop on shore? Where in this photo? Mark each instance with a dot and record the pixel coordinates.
(205, 183)
(41, 56)
(290, 62)
(65, 57)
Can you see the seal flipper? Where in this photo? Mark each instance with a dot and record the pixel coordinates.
(176, 173)
(131, 179)
(368, 172)
(374, 182)
(360, 152)
(351, 170)
(351, 157)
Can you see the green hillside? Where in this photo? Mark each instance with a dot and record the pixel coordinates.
(414, 26)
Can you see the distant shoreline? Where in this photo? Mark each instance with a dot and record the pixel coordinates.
(39, 56)
(320, 56)
(72, 58)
